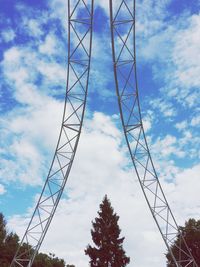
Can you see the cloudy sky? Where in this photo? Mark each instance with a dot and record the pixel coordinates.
(33, 61)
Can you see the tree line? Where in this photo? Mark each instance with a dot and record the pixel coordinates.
(9, 243)
(107, 250)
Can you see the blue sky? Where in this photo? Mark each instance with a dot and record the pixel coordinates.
(33, 61)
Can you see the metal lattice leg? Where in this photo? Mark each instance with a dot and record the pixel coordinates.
(122, 21)
(80, 21)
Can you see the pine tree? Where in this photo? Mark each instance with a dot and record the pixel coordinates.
(105, 234)
(191, 233)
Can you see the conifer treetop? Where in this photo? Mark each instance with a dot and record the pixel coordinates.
(108, 250)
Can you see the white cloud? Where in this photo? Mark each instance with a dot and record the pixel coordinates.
(59, 11)
(167, 146)
(52, 72)
(2, 189)
(32, 21)
(25, 130)
(165, 107)
(186, 54)
(187, 136)
(8, 35)
(22, 66)
(12, 54)
(49, 45)
(148, 120)
(185, 194)
(29, 143)
(15, 66)
(172, 48)
(34, 27)
(180, 66)
(100, 167)
(195, 121)
(181, 125)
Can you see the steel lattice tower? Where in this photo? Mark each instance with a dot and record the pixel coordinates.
(80, 24)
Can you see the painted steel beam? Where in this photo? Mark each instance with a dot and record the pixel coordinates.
(80, 24)
(122, 23)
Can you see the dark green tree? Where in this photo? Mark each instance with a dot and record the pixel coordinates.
(191, 233)
(50, 260)
(9, 243)
(105, 234)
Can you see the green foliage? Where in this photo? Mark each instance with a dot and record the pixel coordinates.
(9, 243)
(48, 261)
(105, 235)
(191, 233)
